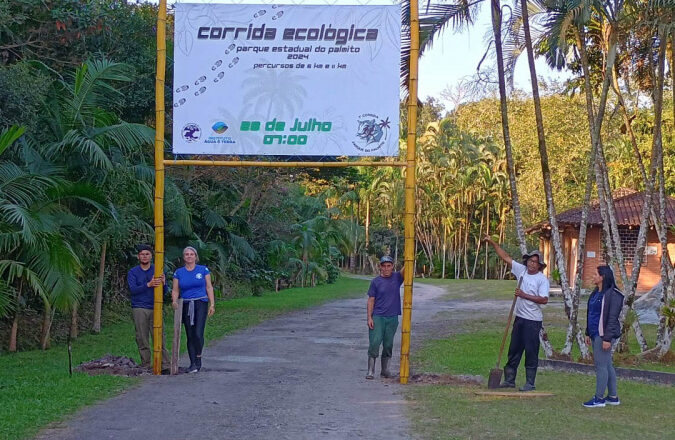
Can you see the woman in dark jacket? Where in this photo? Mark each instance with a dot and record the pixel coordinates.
(603, 328)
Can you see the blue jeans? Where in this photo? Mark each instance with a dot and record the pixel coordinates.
(605, 376)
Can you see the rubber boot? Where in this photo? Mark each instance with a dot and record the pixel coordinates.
(530, 375)
(371, 367)
(385, 367)
(509, 378)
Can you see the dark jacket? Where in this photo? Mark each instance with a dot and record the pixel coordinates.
(613, 303)
(142, 296)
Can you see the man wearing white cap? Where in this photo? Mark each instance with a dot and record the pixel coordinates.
(384, 308)
(531, 295)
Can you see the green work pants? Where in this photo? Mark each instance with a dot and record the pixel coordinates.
(383, 332)
(143, 324)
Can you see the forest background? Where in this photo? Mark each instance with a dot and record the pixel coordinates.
(76, 170)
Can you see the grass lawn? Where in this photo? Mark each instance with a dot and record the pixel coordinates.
(477, 289)
(454, 412)
(35, 388)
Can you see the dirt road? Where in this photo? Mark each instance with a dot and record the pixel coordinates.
(299, 376)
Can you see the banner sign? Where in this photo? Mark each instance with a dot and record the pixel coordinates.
(286, 80)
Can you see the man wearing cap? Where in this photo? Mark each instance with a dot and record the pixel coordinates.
(141, 280)
(383, 307)
(531, 295)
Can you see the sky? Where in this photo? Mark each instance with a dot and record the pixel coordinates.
(453, 57)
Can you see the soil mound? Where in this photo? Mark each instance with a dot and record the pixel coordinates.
(446, 379)
(113, 365)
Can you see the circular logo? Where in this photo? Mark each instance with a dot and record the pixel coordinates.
(191, 132)
(372, 132)
(198, 276)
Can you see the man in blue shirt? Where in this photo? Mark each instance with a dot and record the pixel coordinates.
(142, 284)
(384, 307)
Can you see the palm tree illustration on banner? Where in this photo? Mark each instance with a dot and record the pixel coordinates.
(280, 92)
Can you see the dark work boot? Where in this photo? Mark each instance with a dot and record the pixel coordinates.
(371, 367)
(509, 378)
(385, 367)
(530, 375)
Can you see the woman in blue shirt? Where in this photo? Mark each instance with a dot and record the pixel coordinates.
(603, 328)
(192, 282)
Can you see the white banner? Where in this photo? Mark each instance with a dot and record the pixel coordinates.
(286, 80)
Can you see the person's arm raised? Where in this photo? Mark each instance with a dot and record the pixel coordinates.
(498, 249)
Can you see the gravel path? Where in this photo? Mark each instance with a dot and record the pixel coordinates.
(299, 376)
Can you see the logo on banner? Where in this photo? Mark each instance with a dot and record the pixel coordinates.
(191, 132)
(372, 132)
(220, 127)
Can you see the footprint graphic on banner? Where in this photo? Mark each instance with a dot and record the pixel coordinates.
(234, 62)
(260, 13)
(216, 64)
(277, 15)
(182, 88)
(200, 91)
(219, 77)
(230, 48)
(201, 79)
(180, 102)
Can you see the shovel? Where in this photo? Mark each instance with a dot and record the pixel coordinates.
(496, 373)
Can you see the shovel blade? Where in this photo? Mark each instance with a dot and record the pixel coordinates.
(495, 378)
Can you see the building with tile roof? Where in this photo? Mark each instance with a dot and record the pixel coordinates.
(628, 204)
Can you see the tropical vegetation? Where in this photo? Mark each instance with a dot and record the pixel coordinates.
(76, 172)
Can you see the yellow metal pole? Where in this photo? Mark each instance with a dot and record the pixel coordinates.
(157, 327)
(409, 232)
(253, 163)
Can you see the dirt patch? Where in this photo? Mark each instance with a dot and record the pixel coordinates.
(113, 365)
(652, 356)
(445, 379)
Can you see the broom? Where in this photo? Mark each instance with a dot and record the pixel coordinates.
(495, 377)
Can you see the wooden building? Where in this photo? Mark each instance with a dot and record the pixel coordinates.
(628, 205)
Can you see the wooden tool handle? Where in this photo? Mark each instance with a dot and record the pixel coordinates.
(508, 323)
(175, 348)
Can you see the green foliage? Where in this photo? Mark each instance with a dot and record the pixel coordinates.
(22, 94)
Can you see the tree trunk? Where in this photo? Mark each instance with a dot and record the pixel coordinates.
(573, 331)
(14, 332)
(478, 243)
(98, 297)
(664, 331)
(47, 318)
(543, 154)
(487, 248)
(445, 246)
(657, 152)
(496, 13)
(367, 222)
(73, 323)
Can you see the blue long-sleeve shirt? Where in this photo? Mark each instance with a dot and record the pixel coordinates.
(142, 296)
